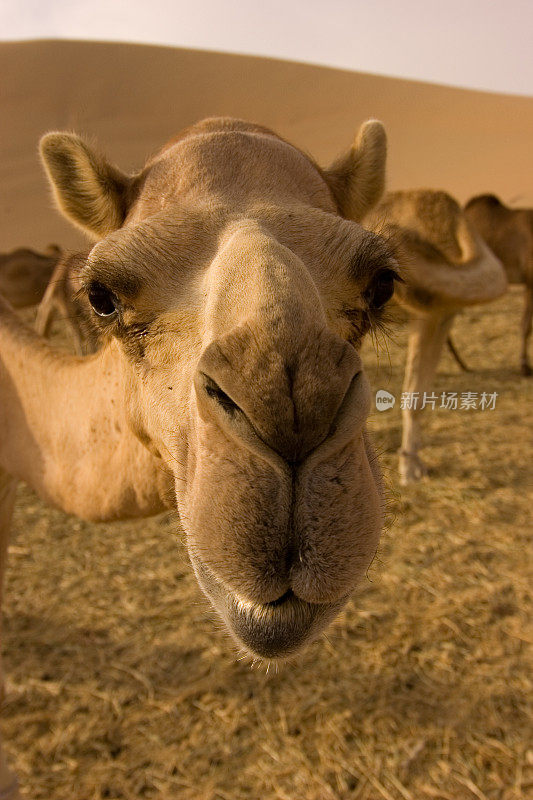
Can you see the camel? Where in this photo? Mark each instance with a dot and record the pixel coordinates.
(509, 234)
(231, 284)
(447, 266)
(64, 298)
(25, 274)
(52, 280)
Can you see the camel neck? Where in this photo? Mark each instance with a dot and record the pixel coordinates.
(63, 427)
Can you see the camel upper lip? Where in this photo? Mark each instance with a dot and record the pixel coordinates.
(289, 594)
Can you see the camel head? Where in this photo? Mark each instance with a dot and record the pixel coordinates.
(235, 284)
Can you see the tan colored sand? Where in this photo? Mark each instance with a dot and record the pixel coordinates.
(131, 98)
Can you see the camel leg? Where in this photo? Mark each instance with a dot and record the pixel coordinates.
(8, 780)
(526, 330)
(55, 303)
(455, 354)
(427, 335)
(45, 314)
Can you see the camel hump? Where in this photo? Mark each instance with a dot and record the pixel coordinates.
(443, 224)
(430, 223)
(407, 243)
(490, 201)
(24, 274)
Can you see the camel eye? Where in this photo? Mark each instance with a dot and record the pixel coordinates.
(381, 289)
(102, 300)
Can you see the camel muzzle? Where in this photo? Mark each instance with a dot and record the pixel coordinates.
(277, 546)
(273, 630)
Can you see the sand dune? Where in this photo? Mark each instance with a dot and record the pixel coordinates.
(131, 98)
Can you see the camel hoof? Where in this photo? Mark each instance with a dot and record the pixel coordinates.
(412, 468)
(526, 370)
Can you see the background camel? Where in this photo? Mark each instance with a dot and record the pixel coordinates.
(28, 278)
(509, 234)
(232, 286)
(25, 274)
(64, 298)
(446, 266)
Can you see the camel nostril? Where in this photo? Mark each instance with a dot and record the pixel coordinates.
(216, 393)
(289, 594)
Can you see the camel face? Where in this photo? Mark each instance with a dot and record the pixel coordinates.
(235, 297)
(282, 508)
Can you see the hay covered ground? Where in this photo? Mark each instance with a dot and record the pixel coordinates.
(122, 683)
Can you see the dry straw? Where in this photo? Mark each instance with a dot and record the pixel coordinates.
(122, 686)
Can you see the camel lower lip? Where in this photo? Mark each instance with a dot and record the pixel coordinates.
(271, 631)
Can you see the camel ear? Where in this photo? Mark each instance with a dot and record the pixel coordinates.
(357, 179)
(90, 192)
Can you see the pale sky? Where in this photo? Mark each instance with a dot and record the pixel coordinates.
(482, 44)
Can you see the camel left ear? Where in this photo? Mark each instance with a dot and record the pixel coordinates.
(357, 179)
(88, 190)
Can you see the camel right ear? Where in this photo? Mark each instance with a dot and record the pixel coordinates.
(88, 190)
(357, 179)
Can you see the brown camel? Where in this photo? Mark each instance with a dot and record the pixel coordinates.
(446, 266)
(25, 274)
(64, 298)
(509, 234)
(53, 281)
(232, 285)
